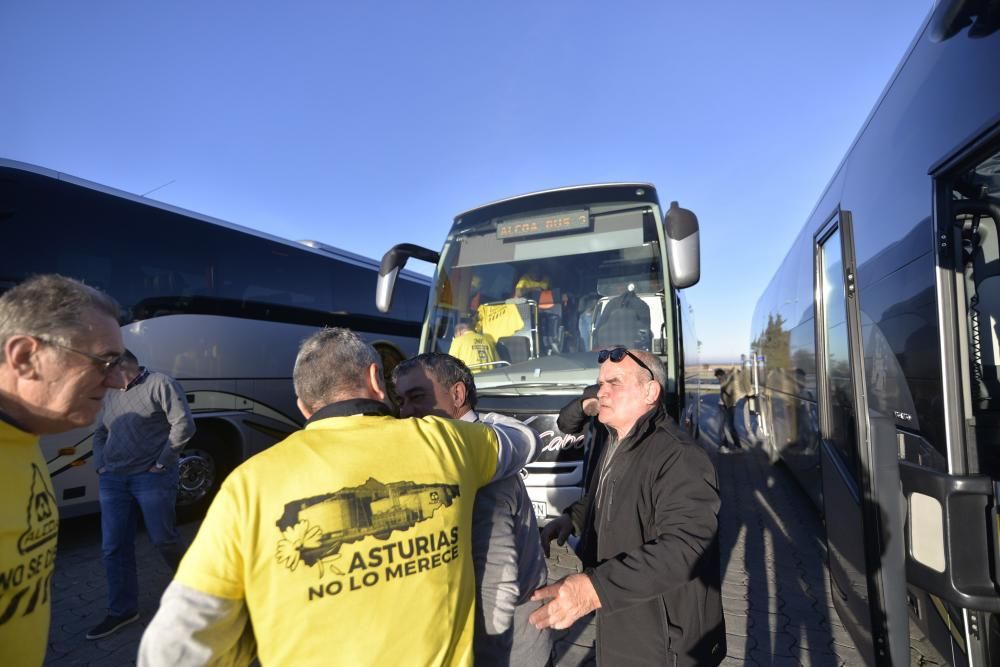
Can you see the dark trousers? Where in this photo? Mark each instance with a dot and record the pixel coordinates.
(123, 497)
(727, 429)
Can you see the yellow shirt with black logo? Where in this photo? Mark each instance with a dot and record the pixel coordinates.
(29, 525)
(475, 349)
(349, 541)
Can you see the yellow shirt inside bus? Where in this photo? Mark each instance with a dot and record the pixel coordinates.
(529, 283)
(497, 320)
(349, 541)
(29, 525)
(475, 349)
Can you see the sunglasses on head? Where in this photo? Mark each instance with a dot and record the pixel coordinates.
(616, 354)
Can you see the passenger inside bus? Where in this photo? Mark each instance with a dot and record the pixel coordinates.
(585, 321)
(558, 305)
(476, 293)
(531, 284)
(624, 321)
(476, 349)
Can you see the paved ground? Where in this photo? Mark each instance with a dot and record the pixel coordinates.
(79, 597)
(775, 595)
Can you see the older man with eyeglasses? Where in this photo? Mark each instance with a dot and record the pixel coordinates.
(648, 526)
(60, 351)
(137, 444)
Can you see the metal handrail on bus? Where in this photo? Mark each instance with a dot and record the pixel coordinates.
(969, 529)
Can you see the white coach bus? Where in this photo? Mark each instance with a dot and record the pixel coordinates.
(220, 307)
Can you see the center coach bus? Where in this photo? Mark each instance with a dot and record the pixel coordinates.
(877, 345)
(548, 278)
(219, 307)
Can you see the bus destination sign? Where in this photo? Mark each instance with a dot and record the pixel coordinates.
(556, 223)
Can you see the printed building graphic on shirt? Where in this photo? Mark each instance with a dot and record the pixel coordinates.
(25, 578)
(314, 529)
(41, 518)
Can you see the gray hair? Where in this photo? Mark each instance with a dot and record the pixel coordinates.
(446, 371)
(51, 306)
(332, 365)
(655, 366)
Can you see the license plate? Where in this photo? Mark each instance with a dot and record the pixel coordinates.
(540, 511)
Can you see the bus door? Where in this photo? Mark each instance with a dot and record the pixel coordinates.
(951, 532)
(856, 517)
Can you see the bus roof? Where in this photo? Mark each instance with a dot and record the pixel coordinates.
(312, 246)
(561, 195)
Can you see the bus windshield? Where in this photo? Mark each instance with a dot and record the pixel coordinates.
(526, 300)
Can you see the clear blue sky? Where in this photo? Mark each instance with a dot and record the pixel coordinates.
(364, 124)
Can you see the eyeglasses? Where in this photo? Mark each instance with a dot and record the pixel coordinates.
(617, 354)
(107, 366)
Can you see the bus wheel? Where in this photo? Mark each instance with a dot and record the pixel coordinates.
(202, 467)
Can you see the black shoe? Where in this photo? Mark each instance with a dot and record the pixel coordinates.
(112, 624)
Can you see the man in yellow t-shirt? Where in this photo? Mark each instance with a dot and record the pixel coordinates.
(61, 349)
(531, 283)
(346, 543)
(475, 349)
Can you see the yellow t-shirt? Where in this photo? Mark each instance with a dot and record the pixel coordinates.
(529, 283)
(474, 348)
(499, 319)
(349, 541)
(29, 525)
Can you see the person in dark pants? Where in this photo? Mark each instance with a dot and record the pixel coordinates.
(136, 447)
(649, 531)
(729, 396)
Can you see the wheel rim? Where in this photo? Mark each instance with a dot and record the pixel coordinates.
(196, 477)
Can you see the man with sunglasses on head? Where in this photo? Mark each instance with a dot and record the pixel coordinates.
(137, 444)
(60, 347)
(648, 526)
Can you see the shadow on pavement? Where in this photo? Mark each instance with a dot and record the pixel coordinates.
(775, 593)
(79, 596)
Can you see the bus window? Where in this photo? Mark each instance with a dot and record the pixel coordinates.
(839, 386)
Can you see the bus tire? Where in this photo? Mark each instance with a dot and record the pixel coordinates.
(204, 463)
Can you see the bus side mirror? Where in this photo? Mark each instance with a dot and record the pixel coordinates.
(392, 263)
(683, 249)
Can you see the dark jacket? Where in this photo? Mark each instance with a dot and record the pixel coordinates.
(573, 420)
(651, 547)
(624, 321)
(729, 389)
